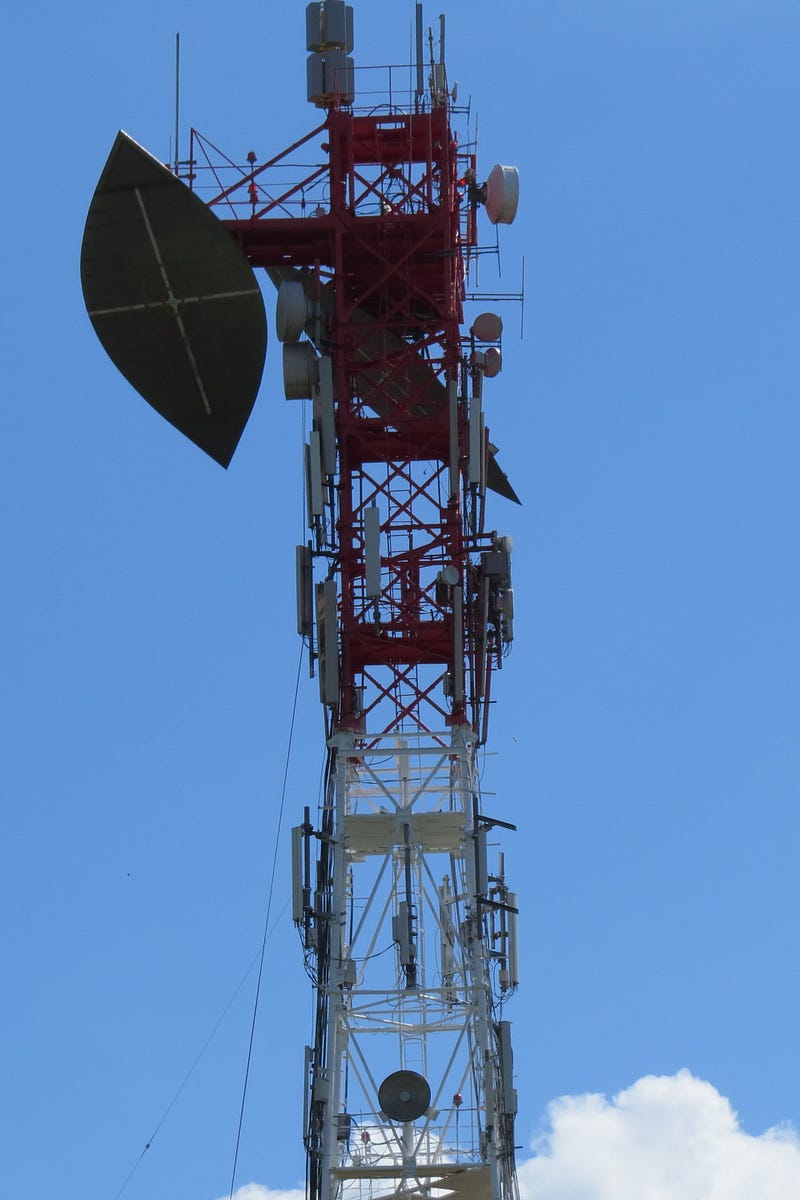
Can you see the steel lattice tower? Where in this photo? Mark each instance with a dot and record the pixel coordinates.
(404, 596)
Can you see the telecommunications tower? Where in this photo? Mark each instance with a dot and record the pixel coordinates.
(404, 596)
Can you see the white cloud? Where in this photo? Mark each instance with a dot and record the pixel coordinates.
(255, 1191)
(670, 1137)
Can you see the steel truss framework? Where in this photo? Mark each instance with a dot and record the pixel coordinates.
(408, 935)
(410, 945)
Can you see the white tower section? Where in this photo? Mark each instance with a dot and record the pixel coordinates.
(411, 943)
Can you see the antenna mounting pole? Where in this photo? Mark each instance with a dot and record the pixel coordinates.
(177, 96)
(420, 52)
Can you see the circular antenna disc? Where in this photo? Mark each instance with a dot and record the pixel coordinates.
(492, 362)
(291, 311)
(488, 327)
(300, 370)
(502, 194)
(404, 1096)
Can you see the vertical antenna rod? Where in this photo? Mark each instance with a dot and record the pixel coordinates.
(420, 51)
(177, 96)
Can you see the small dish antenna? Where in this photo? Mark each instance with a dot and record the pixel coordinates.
(492, 362)
(488, 327)
(501, 194)
(404, 1096)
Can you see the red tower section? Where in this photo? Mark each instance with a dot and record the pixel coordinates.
(382, 266)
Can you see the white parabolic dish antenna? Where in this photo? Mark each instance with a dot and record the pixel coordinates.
(502, 194)
(488, 327)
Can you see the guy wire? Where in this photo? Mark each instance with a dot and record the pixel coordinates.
(266, 926)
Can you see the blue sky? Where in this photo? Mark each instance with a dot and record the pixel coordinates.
(646, 724)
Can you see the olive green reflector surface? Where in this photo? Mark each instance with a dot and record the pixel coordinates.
(173, 300)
